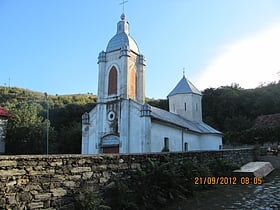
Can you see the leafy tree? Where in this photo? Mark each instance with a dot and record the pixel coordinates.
(69, 139)
(160, 103)
(25, 114)
(26, 132)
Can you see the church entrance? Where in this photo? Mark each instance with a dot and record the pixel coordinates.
(110, 144)
(108, 150)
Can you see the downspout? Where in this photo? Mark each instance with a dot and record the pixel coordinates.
(182, 140)
(128, 127)
(87, 139)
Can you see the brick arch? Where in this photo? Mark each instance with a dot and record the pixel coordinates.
(113, 81)
(132, 83)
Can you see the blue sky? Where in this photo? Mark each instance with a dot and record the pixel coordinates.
(52, 45)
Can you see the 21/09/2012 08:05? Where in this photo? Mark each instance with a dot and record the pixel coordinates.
(244, 180)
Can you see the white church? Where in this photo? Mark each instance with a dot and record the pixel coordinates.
(121, 121)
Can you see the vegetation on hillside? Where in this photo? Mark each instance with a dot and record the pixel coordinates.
(233, 111)
(27, 129)
(230, 109)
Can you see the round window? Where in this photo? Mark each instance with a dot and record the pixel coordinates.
(111, 115)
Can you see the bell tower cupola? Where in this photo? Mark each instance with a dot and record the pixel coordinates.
(121, 68)
(185, 100)
(123, 25)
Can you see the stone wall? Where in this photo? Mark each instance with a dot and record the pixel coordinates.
(50, 182)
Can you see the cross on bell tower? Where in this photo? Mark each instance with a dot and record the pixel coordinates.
(123, 3)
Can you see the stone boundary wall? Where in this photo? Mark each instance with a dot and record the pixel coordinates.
(50, 181)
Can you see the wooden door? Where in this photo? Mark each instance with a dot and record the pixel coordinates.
(110, 150)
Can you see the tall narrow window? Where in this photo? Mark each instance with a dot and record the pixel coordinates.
(185, 106)
(186, 146)
(113, 81)
(166, 144)
(132, 83)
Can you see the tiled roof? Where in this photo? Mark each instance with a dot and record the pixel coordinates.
(4, 113)
(184, 86)
(165, 116)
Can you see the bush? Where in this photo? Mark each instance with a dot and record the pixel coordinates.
(87, 199)
(222, 168)
(155, 186)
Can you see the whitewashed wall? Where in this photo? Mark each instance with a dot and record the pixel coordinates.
(211, 142)
(193, 110)
(177, 141)
(193, 140)
(159, 131)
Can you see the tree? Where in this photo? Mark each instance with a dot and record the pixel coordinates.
(69, 138)
(26, 132)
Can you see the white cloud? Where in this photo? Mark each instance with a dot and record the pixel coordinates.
(248, 62)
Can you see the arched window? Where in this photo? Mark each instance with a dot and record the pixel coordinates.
(132, 83)
(113, 81)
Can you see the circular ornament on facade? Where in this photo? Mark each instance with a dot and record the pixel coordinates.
(111, 115)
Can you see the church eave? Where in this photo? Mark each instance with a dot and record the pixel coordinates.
(183, 94)
(171, 118)
(169, 123)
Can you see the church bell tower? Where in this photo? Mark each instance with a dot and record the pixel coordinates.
(121, 68)
(121, 81)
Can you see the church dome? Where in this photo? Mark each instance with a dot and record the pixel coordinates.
(122, 39)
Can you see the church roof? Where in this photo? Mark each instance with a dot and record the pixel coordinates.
(184, 86)
(198, 127)
(122, 39)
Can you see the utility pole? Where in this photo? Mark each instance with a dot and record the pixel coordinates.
(47, 125)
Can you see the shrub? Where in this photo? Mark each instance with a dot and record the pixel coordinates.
(155, 186)
(87, 199)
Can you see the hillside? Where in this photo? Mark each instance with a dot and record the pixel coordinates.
(230, 109)
(27, 129)
(234, 111)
